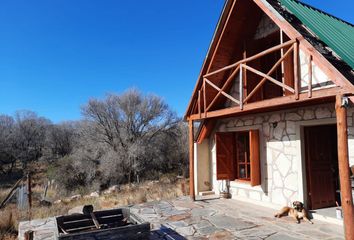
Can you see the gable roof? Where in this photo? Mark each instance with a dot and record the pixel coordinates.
(336, 33)
(294, 28)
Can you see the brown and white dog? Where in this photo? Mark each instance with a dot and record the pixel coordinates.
(297, 212)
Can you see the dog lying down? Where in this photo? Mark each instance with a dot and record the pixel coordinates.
(297, 212)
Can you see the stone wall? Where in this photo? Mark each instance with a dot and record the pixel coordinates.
(281, 150)
(265, 27)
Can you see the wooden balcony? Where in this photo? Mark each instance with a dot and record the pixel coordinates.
(209, 103)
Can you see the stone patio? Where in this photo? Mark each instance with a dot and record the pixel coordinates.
(227, 219)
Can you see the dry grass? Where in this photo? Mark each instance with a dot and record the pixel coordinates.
(8, 223)
(149, 191)
(127, 195)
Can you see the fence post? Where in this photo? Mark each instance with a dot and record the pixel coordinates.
(29, 195)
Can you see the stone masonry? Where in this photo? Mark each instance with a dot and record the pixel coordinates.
(227, 219)
(280, 136)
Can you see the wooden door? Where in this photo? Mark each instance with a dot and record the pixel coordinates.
(321, 160)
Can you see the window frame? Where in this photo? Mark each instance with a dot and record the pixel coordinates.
(246, 161)
(252, 161)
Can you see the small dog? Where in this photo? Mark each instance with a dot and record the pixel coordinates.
(297, 212)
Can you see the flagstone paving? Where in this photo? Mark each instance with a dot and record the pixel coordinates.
(227, 219)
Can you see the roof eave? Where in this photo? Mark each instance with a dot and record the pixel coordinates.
(216, 36)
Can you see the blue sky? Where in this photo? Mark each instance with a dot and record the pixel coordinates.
(55, 55)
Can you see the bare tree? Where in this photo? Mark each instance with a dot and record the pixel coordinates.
(29, 134)
(129, 123)
(61, 139)
(122, 138)
(7, 157)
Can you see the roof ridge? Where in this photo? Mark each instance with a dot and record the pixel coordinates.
(321, 11)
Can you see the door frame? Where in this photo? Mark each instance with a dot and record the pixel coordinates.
(309, 165)
(300, 145)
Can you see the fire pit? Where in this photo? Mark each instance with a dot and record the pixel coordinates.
(108, 224)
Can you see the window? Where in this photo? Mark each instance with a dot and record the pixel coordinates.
(237, 156)
(242, 147)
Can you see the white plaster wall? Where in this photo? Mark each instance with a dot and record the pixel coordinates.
(319, 78)
(216, 185)
(203, 182)
(281, 152)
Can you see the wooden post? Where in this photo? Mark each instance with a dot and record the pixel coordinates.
(310, 77)
(191, 159)
(244, 74)
(9, 195)
(204, 98)
(241, 87)
(282, 62)
(296, 71)
(199, 108)
(343, 164)
(29, 195)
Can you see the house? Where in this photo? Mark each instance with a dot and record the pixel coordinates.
(271, 117)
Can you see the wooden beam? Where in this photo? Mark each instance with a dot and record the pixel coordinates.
(310, 77)
(194, 106)
(199, 106)
(244, 74)
(296, 71)
(191, 159)
(206, 61)
(206, 129)
(230, 78)
(241, 88)
(221, 35)
(281, 55)
(344, 170)
(276, 82)
(223, 93)
(204, 97)
(258, 55)
(307, 47)
(264, 105)
(260, 84)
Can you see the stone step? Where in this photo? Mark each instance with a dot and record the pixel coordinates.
(206, 193)
(207, 197)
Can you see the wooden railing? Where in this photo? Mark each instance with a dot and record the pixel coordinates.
(241, 68)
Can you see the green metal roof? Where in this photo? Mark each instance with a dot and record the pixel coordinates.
(336, 33)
